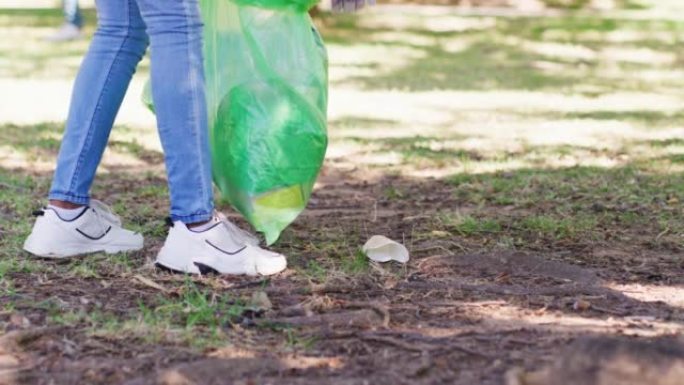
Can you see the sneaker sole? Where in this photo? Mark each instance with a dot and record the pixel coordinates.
(66, 253)
(204, 270)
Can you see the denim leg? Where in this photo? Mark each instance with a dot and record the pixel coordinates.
(118, 45)
(175, 31)
(72, 13)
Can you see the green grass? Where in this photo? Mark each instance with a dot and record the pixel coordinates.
(551, 226)
(195, 307)
(196, 317)
(575, 204)
(49, 17)
(496, 57)
(510, 189)
(355, 264)
(315, 271)
(467, 225)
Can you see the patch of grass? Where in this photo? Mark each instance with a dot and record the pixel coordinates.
(572, 203)
(38, 17)
(297, 341)
(315, 271)
(36, 141)
(136, 149)
(392, 193)
(551, 226)
(121, 262)
(355, 264)
(485, 65)
(195, 307)
(196, 318)
(646, 119)
(17, 201)
(359, 121)
(467, 225)
(569, 4)
(498, 58)
(676, 158)
(418, 151)
(666, 143)
(85, 268)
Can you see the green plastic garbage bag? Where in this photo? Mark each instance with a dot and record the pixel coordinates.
(266, 72)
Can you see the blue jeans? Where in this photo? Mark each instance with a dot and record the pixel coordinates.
(173, 29)
(72, 13)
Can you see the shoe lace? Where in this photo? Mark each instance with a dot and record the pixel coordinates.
(104, 214)
(242, 236)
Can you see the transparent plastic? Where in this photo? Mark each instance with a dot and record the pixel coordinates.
(267, 77)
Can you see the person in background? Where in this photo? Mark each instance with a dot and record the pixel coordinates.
(73, 23)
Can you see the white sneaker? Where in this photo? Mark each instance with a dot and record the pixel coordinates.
(240, 235)
(221, 249)
(96, 229)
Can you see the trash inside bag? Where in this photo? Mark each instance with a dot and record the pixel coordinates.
(267, 75)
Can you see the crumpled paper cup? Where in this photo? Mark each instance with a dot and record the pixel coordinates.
(382, 249)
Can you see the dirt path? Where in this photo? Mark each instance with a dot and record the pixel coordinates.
(454, 314)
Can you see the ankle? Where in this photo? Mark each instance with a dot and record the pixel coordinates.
(65, 205)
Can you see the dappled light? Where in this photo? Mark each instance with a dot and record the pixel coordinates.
(672, 296)
(531, 160)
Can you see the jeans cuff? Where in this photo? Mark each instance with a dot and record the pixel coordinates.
(67, 197)
(194, 218)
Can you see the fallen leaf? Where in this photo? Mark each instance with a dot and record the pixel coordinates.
(581, 305)
(18, 320)
(260, 301)
(148, 282)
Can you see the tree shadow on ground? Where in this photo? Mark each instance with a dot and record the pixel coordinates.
(564, 53)
(486, 290)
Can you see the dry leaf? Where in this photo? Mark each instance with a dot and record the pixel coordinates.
(150, 283)
(260, 301)
(581, 305)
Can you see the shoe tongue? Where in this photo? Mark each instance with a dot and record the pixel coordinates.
(241, 236)
(220, 237)
(105, 212)
(93, 226)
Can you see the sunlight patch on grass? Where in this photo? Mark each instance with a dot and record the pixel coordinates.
(417, 22)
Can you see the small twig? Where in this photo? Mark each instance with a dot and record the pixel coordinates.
(520, 341)
(378, 308)
(10, 373)
(357, 318)
(421, 347)
(609, 311)
(510, 290)
(22, 337)
(245, 285)
(414, 217)
(433, 247)
(150, 283)
(463, 349)
(463, 249)
(395, 342)
(662, 233)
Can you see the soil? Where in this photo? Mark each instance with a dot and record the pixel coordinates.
(459, 312)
